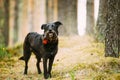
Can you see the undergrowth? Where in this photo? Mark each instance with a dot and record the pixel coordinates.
(8, 58)
(7, 52)
(4, 53)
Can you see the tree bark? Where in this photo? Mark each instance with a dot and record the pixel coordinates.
(112, 37)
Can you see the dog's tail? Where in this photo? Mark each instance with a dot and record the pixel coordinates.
(21, 58)
(25, 46)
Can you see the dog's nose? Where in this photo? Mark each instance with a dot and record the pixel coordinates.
(50, 30)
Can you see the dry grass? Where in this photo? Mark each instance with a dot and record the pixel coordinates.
(78, 58)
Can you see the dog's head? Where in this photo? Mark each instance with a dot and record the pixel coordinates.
(51, 30)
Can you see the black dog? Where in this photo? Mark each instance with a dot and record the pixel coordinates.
(43, 46)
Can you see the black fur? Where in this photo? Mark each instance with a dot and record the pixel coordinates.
(34, 43)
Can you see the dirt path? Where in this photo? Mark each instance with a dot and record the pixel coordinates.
(70, 54)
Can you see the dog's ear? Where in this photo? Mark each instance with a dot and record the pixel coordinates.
(43, 26)
(58, 23)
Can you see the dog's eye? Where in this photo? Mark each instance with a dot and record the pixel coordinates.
(52, 26)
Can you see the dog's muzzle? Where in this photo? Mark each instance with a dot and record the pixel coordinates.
(50, 35)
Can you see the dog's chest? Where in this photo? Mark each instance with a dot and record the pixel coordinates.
(50, 47)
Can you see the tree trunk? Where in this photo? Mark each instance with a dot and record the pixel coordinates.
(11, 22)
(52, 10)
(4, 22)
(16, 23)
(112, 37)
(90, 17)
(38, 14)
(101, 22)
(24, 27)
(67, 14)
(6, 25)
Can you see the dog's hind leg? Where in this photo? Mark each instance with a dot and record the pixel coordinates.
(27, 54)
(38, 64)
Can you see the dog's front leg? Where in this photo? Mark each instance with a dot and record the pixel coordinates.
(46, 75)
(50, 65)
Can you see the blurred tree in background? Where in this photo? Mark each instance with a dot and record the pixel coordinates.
(25, 16)
(67, 13)
(101, 21)
(64, 11)
(90, 22)
(4, 22)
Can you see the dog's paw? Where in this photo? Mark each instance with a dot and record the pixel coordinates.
(25, 73)
(39, 72)
(46, 76)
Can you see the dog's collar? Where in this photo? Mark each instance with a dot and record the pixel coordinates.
(46, 41)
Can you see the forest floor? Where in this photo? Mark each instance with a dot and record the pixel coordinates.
(78, 58)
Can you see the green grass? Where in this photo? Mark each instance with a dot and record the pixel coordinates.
(3, 52)
(7, 52)
(16, 50)
(72, 75)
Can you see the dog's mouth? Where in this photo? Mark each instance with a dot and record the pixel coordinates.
(51, 36)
